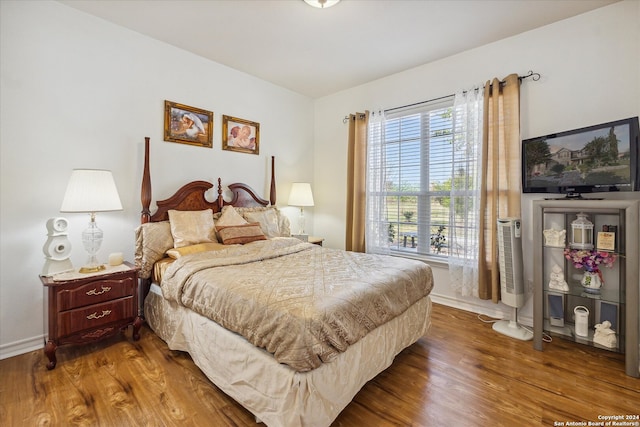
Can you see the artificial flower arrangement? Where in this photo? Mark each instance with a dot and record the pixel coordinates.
(589, 260)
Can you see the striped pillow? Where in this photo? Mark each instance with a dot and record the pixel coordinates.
(240, 234)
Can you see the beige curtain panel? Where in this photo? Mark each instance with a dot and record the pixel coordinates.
(356, 182)
(501, 189)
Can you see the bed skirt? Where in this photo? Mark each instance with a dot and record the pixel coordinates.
(276, 394)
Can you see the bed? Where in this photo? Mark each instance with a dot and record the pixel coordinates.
(290, 330)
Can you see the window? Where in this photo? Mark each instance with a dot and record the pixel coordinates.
(409, 178)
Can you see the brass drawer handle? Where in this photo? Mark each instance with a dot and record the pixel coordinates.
(95, 292)
(98, 316)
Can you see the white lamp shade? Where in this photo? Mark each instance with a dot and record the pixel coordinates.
(91, 190)
(301, 194)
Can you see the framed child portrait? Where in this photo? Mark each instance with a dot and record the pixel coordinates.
(240, 135)
(188, 125)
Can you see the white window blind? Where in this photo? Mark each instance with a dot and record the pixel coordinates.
(411, 151)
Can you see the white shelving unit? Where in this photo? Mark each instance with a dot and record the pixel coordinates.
(621, 283)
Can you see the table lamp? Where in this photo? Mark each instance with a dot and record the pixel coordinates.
(91, 191)
(301, 196)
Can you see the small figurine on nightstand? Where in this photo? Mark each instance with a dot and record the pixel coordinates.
(557, 281)
(604, 335)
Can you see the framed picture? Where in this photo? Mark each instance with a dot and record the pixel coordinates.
(607, 310)
(240, 135)
(188, 125)
(606, 241)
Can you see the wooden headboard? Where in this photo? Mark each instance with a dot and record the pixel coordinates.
(191, 196)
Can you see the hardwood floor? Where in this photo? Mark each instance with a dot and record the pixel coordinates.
(461, 374)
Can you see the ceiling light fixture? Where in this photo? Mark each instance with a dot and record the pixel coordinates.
(322, 4)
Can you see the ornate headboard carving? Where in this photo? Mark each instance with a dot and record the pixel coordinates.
(243, 195)
(190, 197)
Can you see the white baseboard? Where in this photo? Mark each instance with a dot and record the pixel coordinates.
(20, 347)
(500, 311)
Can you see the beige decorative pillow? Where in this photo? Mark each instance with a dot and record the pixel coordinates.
(191, 227)
(240, 234)
(268, 220)
(176, 253)
(284, 228)
(230, 216)
(153, 239)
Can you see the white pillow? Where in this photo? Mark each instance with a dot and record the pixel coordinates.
(191, 227)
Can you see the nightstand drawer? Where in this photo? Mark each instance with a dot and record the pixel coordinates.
(95, 292)
(95, 315)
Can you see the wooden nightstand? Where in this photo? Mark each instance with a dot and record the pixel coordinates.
(87, 309)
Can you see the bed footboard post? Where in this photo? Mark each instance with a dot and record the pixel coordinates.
(145, 195)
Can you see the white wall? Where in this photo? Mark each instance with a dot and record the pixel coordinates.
(79, 92)
(590, 67)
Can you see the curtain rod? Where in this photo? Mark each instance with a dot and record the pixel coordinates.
(418, 103)
(535, 77)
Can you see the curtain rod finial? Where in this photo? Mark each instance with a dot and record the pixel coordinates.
(535, 76)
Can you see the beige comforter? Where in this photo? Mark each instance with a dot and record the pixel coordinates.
(301, 302)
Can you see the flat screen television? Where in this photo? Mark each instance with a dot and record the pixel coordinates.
(593, 159)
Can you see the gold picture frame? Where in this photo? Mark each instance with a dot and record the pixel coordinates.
(188, 125)
(606, 241)
(240, 135)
